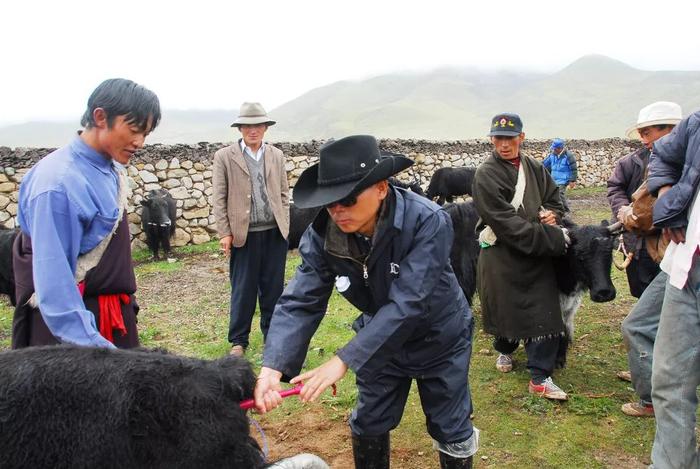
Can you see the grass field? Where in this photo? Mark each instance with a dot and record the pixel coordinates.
(184, 307)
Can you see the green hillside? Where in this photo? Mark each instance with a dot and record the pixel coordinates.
(594, 97)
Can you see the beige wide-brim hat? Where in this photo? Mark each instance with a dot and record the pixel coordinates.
(658, 113)
(252, 113)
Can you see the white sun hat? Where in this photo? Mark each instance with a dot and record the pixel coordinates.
(658, 113)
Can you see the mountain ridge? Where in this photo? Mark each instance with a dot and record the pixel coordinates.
(593, 97)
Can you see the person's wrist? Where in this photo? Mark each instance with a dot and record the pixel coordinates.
(269, 373)
(341, 362)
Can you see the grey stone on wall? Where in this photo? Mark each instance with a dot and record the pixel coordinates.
(186, 172)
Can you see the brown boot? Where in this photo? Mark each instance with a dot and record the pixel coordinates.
(638, 409)
(237, 351)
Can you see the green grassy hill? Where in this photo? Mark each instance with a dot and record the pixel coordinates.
(594, 97)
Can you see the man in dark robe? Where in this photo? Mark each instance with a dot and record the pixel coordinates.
(519, 205)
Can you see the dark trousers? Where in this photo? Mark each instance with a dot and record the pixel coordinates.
(443, 388)
(641, 271)
(541, 355)
(562, 196)
(257, 273)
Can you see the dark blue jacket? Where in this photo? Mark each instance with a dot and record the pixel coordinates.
(414, 312)
(676, 161)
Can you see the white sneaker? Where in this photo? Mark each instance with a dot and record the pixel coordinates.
(547, 389)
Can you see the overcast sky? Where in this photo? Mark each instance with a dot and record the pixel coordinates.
(215, 54)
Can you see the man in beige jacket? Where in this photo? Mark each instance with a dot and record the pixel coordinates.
(251, 206)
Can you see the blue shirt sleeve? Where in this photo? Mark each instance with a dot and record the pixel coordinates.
(56, 230)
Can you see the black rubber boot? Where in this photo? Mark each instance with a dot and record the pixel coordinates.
(450, 462)
(371, 452)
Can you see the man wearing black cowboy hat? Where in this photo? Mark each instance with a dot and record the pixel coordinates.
(387, 252)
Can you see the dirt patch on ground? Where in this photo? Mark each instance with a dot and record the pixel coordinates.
(615, 460)
(195, 276)
(312, 431)
(308, 432)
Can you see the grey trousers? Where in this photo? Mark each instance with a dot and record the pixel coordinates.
(639, 332)
(676, 376)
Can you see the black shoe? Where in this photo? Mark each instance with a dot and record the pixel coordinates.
(371, 452)
(450, 462)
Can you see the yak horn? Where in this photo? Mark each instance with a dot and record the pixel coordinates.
(625, 262)
(615, 227)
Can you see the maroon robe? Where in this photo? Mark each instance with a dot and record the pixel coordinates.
(113, 274)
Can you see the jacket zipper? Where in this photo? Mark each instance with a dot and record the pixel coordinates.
(365, 273)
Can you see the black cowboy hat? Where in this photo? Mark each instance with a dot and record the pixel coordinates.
(346, 167)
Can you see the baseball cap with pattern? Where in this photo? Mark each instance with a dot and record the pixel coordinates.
(506, 124)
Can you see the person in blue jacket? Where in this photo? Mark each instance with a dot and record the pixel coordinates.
(387, 252)
(674, 175)
(562, 166)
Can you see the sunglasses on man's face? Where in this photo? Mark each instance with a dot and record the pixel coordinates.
(348, 201)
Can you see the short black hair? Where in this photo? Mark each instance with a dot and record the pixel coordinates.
(122, 97)
(664, 126)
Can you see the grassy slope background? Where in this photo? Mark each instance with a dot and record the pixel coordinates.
(593, 97)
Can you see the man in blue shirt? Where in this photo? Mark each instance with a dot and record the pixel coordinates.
(72, 260)
(562, 166)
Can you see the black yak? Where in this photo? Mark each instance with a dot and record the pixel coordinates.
(158, 218)
(74, 407)
(465, 246)
(446, 183)
(7, 274)
(584, 268)
(411, 186)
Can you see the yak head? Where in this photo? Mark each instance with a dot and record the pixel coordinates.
(158, 204)
(589, 259)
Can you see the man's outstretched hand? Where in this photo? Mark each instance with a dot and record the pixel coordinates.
(319, 379)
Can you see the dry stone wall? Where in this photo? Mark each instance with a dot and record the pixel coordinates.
(186, 172)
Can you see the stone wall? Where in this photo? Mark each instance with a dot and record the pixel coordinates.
(185, 171)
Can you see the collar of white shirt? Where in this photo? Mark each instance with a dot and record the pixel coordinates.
(246, 149)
